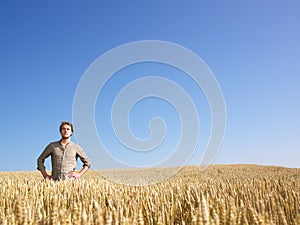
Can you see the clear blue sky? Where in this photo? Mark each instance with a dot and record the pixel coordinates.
(253, 48)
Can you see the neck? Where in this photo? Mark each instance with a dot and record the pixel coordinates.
(64, 140)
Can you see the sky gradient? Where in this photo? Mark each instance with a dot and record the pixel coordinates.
(252, 47)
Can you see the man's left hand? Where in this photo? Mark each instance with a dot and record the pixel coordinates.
(74, 175)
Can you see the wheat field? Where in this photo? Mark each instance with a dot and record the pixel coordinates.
(221, 194)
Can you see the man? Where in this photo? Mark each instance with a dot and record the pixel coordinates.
(64, 154)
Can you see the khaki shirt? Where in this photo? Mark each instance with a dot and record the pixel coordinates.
(63, 160)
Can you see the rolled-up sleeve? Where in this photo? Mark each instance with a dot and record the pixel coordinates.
(83, 157)
(45, 154)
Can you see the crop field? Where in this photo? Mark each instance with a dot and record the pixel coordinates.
(221, 194)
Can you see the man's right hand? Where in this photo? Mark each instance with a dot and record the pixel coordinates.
(49, 177)
(46, 176)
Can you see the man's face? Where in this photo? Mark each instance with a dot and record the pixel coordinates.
(65, 131)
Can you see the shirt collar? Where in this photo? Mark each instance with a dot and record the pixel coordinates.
(66, 143)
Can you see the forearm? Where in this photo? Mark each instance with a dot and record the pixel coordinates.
(80, 173)
(40, 164)
(83, 170)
